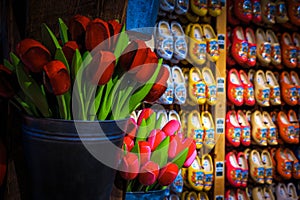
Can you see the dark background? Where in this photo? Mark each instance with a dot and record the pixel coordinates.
(20, 19)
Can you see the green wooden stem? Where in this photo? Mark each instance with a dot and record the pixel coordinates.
(62, 106)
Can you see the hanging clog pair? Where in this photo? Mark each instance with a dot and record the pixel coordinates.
(176, 90)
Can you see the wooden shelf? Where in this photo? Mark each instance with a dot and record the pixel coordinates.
(220, 110)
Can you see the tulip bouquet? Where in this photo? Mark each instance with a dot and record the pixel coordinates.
(90, 70)
(153, 156)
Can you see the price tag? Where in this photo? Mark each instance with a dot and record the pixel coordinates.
(220, 125)
(219, 168)
(221, 41)
(220, 85)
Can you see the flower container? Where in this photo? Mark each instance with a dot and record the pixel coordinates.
(59, 161)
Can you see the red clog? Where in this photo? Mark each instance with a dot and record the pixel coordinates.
(239, 48)
(249, 99)
(294, 12)
(243, 10)
(243, 163)
(286, 129)
(229, 60)
(296, 81)
(289, 51)
(230, 16)
(250, 37)
(284, 165)
(235, 89)
(233, 170)
(233, 130)
(295, 122)
(245, 128)
(288, 89)
(256, 11)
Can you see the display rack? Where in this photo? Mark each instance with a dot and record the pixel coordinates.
(220, 110)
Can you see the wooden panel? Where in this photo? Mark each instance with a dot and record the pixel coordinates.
(48, 11)
(220, 108)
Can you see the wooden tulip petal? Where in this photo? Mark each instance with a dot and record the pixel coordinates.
(97, 31)
(58, 76)
(33, 54)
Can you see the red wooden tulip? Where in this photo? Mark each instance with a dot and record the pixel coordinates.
(101, 67)
(155, 138)
(160, 85)
(129, 167)
(133, 56)
(114, 28)
(69, 49)
(33, 54)
(145, 114)
(97, 31)
(172, 127)
(145, 151)
(7, 82)
(3, 164)
(168, 174)
(146, 70)
(128, 142)
(56, 77)
(149, 173)
(77, 28)
(131, 128)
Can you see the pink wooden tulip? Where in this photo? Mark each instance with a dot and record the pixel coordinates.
(101, 67)
(145, 152)
(69, 49)
(33, 54)
(168, 174)
(189, 159)
(129, 167)
(155, 138)
(97, 31)
(128, 142)
(145, 114)
(173, 146)
(159, 87)
(131, 128)
(57, 79)
(171, 127)
(149, 173)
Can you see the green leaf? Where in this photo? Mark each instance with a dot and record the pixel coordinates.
(76, 64)
(136, 150)
(66, 99)
(158, 122)
(151, 122)
(32, 90)
(160, 155)
(8, 65)
(63, 31)
(180, 158)
(142, 132)
(122, 43)
(59, 55)
(49, 39)
(14, 59)
(138, 96)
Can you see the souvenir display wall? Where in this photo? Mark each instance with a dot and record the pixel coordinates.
(262, 120)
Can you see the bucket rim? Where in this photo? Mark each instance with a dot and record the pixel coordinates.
(27, 117)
